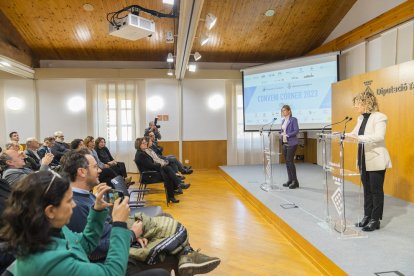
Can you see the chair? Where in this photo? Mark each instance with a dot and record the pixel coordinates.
(135, 206)
(150, 177)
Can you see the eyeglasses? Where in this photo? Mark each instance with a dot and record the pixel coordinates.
(51, 182)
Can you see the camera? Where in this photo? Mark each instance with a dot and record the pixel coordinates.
(113, 195)
(155, 123)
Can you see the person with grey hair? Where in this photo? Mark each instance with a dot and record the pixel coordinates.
(12, 146)
(32, 157)
(373, 157)
(13, 165)
(60, 147)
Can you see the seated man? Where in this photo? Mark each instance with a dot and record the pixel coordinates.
(83, 172)
(48, 144)
(59, 148)
(177, 165)
(154, 129)
(14, 166)
(32, 157)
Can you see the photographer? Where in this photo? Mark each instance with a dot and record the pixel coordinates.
(153, 127)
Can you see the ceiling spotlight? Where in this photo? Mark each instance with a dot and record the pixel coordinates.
(192, 67)
(170, 72)
(170, 57)
(197, 56)
(204, 39)
(210, 21)
(168, 2)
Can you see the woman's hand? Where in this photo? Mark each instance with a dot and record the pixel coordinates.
(121, 210)
(100, 203)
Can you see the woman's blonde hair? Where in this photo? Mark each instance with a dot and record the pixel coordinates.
(368, 100)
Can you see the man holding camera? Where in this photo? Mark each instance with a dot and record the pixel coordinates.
(84, 172)
(153, 127)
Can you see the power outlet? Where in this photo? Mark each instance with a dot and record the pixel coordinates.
(186, 161)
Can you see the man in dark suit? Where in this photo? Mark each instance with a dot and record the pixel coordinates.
(32, 157)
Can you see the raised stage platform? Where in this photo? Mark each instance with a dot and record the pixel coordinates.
(388, 251)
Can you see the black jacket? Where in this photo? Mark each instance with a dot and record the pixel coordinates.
(145, 162)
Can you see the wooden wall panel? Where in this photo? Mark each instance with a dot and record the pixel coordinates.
(399, 180)
(170, 148)
(205, 154)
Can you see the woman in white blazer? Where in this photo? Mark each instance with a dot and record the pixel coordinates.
(373, 157)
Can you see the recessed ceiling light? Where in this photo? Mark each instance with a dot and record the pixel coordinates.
(269, 13)
(88, 7)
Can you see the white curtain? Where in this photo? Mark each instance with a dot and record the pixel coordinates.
(116, 109)
(243, 148)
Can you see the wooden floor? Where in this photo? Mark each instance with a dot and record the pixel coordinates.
(222, 224)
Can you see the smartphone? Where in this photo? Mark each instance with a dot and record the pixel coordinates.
(114, 195)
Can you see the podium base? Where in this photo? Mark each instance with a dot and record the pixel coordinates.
(348, 231)
(270, 187)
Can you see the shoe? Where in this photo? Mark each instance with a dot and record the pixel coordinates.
(185, 186)
(363, 222)
(189, 171)
(287, 183)
(372, 225)
(196, 263)
(181, 177)
(188, 167)
(173, 200)
(294, 184)
(178, 192)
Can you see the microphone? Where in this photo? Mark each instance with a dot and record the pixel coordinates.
(270, 129)
(261, 129)
(349, 119)
(346, 118)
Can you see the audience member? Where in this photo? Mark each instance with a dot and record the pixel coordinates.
(48, 144)
(105, 156)
(146, 163)
(60, 147)
(12, 146)
(77, 144)
(153, 128)
(14, 137)
(177, 165)
(44, 201)
(32, 157)
(14, 166)
(83, 172)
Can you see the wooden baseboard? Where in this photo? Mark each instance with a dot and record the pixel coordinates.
(323, 263)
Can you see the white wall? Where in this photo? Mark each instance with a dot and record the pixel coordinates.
(168, 91)
(199, 121)
(361, 12)
(54, 113)
(24, 120)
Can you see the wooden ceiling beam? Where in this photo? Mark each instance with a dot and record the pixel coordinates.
(12, 45)
(385, 21)
(190, 12)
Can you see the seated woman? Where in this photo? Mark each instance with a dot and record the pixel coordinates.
(107, 173)
(146, 163)
(44, 202)
(105, 156)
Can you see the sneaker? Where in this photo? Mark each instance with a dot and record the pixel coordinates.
(196, 263)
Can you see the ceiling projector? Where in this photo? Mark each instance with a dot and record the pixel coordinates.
(132, 27)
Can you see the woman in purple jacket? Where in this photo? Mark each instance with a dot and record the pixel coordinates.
(288, 132)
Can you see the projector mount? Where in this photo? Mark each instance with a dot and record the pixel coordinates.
(114, 17)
